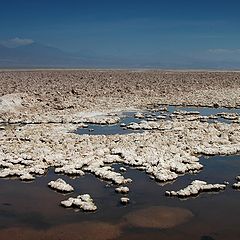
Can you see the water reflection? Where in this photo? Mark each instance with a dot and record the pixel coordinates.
(128, 117)
(31, 210)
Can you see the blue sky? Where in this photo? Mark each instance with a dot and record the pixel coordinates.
(163, 30)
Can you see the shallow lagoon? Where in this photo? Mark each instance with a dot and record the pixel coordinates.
(32, 206)
(128, 117)
(31, 210)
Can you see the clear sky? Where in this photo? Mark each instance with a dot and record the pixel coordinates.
(149, 29)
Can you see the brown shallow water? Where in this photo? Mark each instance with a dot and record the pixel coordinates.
(31, 210)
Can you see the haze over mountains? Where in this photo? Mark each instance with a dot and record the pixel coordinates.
(36, 55)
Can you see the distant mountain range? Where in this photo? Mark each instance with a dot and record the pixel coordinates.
(37, 55)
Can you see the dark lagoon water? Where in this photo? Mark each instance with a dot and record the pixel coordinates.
(205, 111)
(34, 209)
(98, 129)
(128, 117)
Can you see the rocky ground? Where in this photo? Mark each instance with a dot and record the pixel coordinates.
(39, 110)
(81, 90)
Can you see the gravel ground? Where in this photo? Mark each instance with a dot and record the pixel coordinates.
(91, 90)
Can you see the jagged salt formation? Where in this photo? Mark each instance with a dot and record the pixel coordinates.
(106, 173)
(164, 163)
(69, 170)
(237, 185)
(195, 188)
(84, 202)
(122, 190)
(229, 116)
(122, 169)
(125, 200)
(60, 185)
(139, 115)
(182, 112)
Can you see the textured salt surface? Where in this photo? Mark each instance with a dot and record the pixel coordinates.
(72, 155)
(165, 145)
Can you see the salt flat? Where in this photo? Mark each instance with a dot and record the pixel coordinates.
(41, 110)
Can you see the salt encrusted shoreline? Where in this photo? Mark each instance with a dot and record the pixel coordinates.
(195, 188)
(38, 123)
